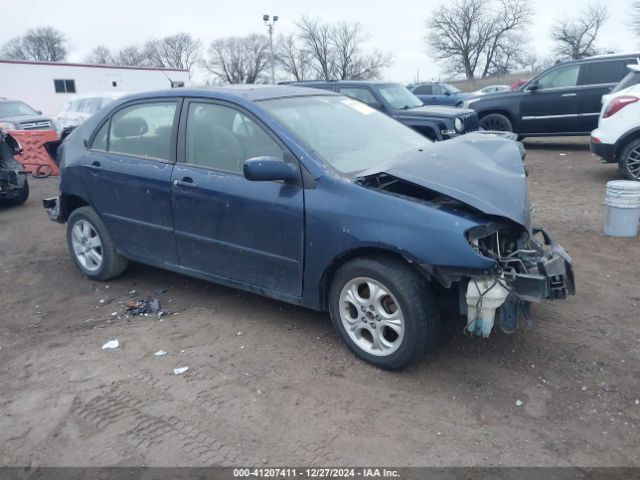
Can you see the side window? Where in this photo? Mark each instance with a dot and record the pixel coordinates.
(143, 130)
(100, 140)
(361, 94)
(438, 90)
(612, 71)
(222, 138)
(560, 77)
(423, 90)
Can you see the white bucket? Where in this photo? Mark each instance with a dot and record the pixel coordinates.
(623, 208)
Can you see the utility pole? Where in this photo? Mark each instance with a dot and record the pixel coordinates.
(270, 26)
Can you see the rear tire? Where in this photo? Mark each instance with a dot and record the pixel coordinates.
(384, 311)
(629, 160)
(497, 122)
(91, 246)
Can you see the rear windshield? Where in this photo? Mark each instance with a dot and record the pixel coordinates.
(632, 78)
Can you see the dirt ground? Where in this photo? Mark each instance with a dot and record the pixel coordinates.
(272, 384)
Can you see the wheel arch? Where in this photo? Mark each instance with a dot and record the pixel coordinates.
(69, 203)
(622, 142)
(362, 252)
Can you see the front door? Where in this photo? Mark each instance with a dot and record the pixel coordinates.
(553, 106)
(128, 175)
(227, 226)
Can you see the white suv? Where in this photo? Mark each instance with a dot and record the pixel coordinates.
(617, 138)
(80, 107)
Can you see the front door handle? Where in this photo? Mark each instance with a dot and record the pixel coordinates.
(568, 94)
(95, 165)
(186, 182)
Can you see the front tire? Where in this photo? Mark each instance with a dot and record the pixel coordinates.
(496, 122)
(629, 160)
(384, 311)
(91, 246)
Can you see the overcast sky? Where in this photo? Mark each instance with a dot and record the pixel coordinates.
(397, 26)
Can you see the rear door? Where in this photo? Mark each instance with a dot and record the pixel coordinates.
(597, 78)
(128, 174)
(552, 107)
(227, 226)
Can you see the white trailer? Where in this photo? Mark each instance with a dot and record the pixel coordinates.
(46, 85)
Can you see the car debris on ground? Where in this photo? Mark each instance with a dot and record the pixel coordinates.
(180, 370)
(146, 307)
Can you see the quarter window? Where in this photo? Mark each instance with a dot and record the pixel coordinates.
(143, 130)
(222, 138)
(100, 140)
(560, 77)
(610, 71)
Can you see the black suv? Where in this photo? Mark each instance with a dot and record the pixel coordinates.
(394, 99)
(17, 115)
(563, 100)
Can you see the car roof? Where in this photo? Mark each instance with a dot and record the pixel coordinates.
(608, 56)
(252, 93)
(344, 82)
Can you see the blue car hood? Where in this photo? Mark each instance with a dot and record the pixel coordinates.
(484, 173)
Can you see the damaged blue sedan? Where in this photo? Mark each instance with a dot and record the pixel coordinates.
(311, 198)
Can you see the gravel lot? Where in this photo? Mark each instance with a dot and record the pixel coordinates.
(270, 383)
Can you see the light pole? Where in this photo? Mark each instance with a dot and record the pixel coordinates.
(270, 28)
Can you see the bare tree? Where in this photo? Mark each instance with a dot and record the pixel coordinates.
(131, 55)
(634, 17)
(100, 55)
(41, 44)
(238, 59)
(174, 51)
(335, 50)
(293, 60)
(468, 35)
(575, 37)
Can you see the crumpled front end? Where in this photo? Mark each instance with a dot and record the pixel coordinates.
(529, 268)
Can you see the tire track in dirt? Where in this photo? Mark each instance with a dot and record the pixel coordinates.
(144, 430)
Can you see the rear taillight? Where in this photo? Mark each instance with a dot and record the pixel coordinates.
(617, 104)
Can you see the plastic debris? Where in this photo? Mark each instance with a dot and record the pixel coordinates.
(637, 402)
(111, 344)
(519, 403)
(146, 306)
(160, 353)
(563, 154)
(180, 370)
(240, 333)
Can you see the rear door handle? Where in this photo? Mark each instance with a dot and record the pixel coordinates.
(568, 94)
(95, 165)
(186, 182)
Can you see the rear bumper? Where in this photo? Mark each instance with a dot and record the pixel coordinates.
(606, 151)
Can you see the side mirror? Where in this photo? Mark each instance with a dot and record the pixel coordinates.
(39, 112)
(533, 87)
(377, 106)
(261, 169)
(447, 93)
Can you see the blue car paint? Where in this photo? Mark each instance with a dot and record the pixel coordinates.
(317, 225)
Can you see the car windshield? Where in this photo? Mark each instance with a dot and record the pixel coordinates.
(632, 78)
(347, 134)
(450, 88)
(398, 96)
(15, 109)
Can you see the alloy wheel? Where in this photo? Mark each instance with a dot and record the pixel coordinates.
(87, 246)
(371, 316)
